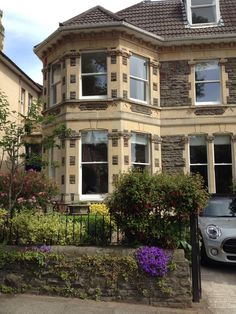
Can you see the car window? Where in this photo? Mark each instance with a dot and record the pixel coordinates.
(220, 207)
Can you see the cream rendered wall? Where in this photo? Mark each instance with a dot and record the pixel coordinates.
(11, 84)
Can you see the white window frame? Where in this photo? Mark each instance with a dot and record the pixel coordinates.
(90, 74)
(189, 13)
(202, 103)
(146, 81)
(222, 164)
(91, 197)
(54, 84)
(146, 164)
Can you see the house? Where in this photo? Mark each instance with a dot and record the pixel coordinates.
(151, 86)
(19, 89)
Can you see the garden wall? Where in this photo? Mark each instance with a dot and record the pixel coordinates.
(107, 274)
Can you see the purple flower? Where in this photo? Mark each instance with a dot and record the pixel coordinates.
(153, 260)
(42, 249)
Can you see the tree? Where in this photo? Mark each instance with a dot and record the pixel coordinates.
(16, 129)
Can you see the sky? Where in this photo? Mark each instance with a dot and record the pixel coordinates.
(28, 22)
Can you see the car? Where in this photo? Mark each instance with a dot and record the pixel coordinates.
(217, 226)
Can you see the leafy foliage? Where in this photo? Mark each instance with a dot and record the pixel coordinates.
(84, 276)
(36, 191)
(17, 130)
(150, 209)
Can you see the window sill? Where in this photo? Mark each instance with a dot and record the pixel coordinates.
(93, 197)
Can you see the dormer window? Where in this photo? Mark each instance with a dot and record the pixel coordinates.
(203, 12)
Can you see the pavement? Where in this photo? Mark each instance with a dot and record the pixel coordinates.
(219, 288)
(218, 297)
(32, 304)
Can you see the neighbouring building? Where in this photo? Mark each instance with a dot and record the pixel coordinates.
(19, 89)
(151, 86)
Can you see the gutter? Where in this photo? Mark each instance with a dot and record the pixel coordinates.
(158, 39)
(61, 29)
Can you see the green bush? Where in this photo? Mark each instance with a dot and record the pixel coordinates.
(31, 190)
(147, 208)
(40, 228)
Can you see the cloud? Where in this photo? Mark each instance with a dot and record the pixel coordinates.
(29, 22)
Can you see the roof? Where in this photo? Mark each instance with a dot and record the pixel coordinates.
(163, 22)
(165, 18)
(168, 18)
(4, 58)
(94, 15)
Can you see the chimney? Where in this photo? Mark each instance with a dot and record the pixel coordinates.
(1, 32)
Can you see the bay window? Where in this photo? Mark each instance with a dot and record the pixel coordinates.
(94, 74)
(138, 78)
(94, 163)
(207, 82)
(140, 150)
(55, 84)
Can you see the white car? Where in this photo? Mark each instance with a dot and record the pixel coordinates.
(217, 225)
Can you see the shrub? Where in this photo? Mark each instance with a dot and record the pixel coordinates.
(39, 228)
(3, 217)
(31, 190)
(99, 208)
(148, 208)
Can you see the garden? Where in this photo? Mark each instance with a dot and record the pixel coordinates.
(125, 249)
(146, 214)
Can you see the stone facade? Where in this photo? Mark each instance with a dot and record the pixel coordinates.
(164, 103)
(172, 154)
(231, 84)
(174, 84)
(65, 277)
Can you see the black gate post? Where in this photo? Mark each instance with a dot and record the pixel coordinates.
(196, 270)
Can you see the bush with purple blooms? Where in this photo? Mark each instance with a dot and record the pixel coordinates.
(153, 260)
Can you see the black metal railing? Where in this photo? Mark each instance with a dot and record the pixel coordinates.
(70, 229)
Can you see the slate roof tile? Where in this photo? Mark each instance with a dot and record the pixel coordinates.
(94, 15)
(168, 18)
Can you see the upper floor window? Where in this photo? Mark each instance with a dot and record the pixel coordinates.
(138, 78)
(30, 101)
(140, 150)
(22, 101)
(203, 12)
(207, 82)
(94, 74)
(55, 84)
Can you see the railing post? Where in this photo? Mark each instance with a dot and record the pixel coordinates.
(196, 271)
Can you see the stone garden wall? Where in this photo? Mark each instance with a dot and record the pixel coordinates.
(107, 274)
